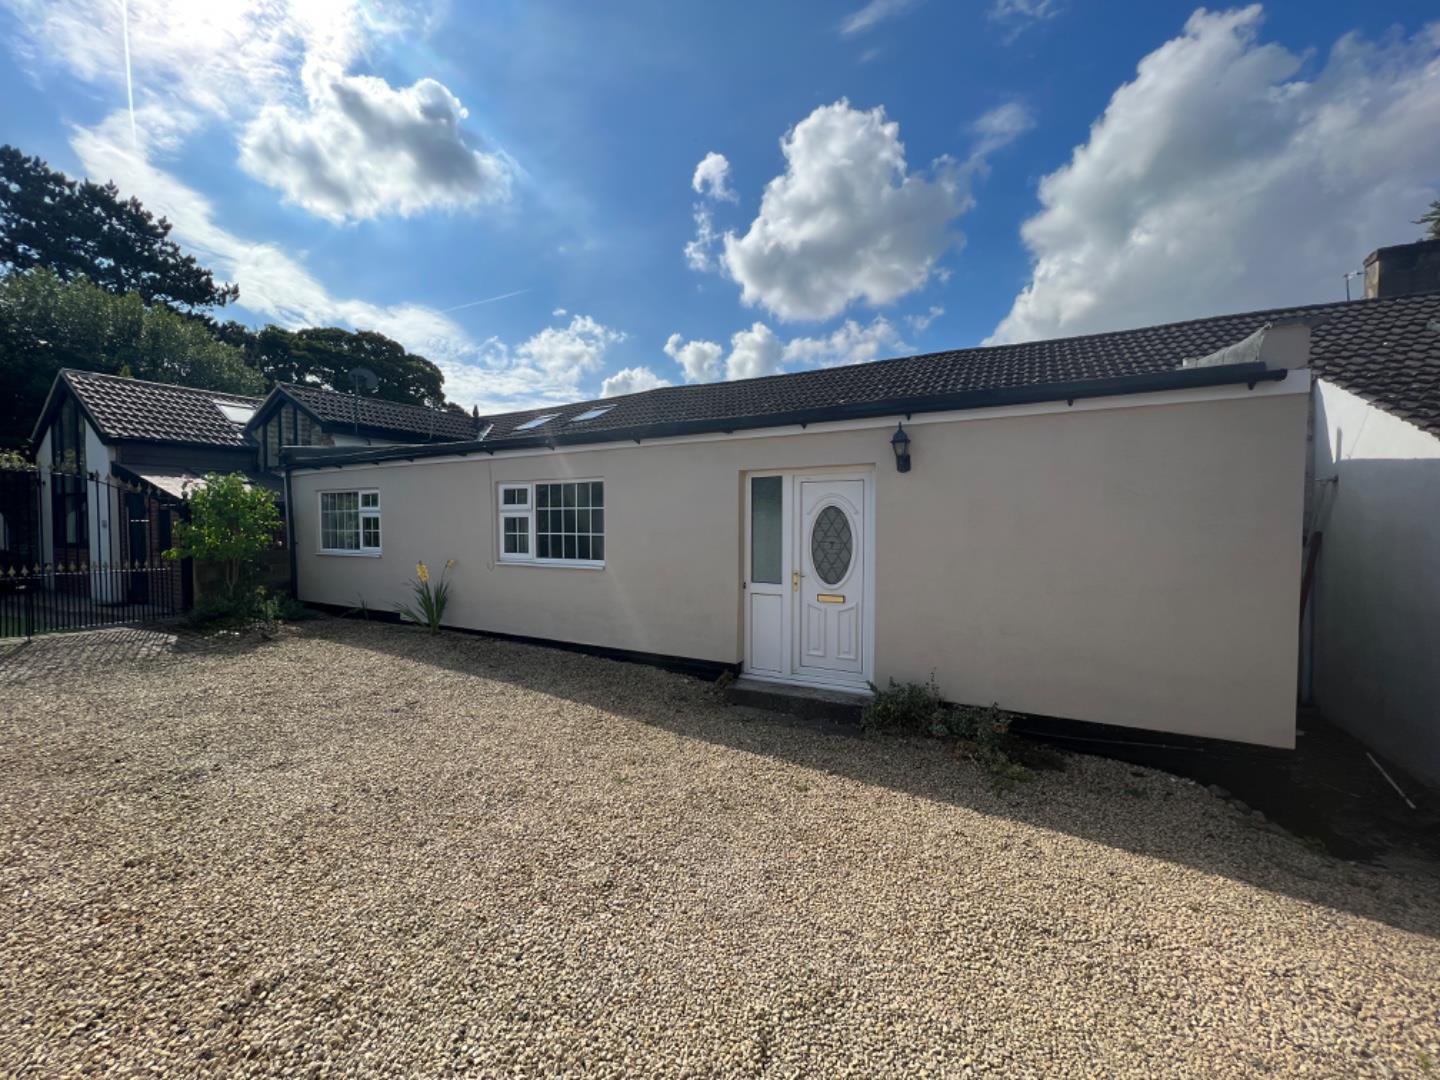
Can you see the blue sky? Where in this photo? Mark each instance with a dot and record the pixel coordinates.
(886, 178)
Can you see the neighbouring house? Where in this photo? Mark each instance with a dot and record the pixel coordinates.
(1105, 528)
(113, 456)
(293, 415)
(117, 455)
(1373, 637)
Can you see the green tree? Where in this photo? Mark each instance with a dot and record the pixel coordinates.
(80, 228)
(325, 356)
(47, 324)
(231, 525)
(1431, 220)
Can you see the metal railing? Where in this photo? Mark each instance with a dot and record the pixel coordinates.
(46, 599)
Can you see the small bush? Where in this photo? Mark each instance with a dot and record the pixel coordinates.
(258, 609)
(911, 708)
(220, 612)
(983, 732)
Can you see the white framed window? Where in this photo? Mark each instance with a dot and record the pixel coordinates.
(350, 522)
(557, 522)
(515, 522)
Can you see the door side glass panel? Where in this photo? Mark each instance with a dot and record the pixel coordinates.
(765, 536)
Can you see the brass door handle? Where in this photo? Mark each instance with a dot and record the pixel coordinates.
(795, 580)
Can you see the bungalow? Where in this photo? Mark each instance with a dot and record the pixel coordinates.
(1105, 528)
(1095, 529)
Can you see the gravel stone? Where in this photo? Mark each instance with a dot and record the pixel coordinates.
(360, 850)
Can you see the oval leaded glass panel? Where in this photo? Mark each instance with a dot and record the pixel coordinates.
(830, 545)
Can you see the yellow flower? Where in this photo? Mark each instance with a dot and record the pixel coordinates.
(449, 564)
(422, 573)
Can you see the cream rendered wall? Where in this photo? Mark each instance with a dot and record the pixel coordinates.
(1377, 592)
(1131, 565)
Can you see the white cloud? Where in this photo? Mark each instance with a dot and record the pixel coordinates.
(565, 353)
(712, 181)
(342, 146)
(549, 368)
(876, 11)
(1000, 127)
(847, 220)
(850, 344)
(697, 251)
(1220, 180)
(1019, 15)
(631, 380)
(921, 323)
(753, 353)
(361, 148)
(559, 313)
(700, 360)
(712, 178)
(217, 58)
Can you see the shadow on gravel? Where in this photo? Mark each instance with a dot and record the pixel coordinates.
(56, 656)
(1143, 818)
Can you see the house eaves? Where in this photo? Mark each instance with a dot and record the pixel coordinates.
(901, 407)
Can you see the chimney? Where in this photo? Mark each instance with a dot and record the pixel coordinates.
(1402, 270)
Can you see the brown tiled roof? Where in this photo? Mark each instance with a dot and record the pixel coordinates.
(406, 421)
(1385, 350)
(135, 409)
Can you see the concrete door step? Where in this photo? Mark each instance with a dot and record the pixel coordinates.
(809, 702)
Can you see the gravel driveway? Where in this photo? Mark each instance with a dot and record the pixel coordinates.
(360, 850)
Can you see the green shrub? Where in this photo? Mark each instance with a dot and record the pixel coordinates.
(983, 732)
(910, 708)
(257, 608)
(220, 612)
(232, 525)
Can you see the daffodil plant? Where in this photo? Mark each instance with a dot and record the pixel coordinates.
(428, 608)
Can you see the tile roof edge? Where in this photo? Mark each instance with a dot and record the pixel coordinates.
(1115, 386)
(226, 394)
(1293, 311)
(424, 410)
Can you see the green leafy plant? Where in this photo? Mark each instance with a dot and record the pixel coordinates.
(258, 608)
(982, 732)
(428, 607)
(913, 708)
(231, 525)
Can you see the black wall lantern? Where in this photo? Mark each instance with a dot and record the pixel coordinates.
(900, 443)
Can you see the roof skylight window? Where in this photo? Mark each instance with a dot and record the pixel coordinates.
(537, 421)
(235, 412)
(590, 414)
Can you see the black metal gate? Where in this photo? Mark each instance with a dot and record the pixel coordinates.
(80, 551)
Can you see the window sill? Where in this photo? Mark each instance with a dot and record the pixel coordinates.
(351, 554)
(552, 564)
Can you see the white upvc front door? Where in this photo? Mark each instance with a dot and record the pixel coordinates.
(809, 565)
(831, 585)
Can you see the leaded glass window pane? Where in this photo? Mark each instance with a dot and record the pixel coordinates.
(830, 545)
